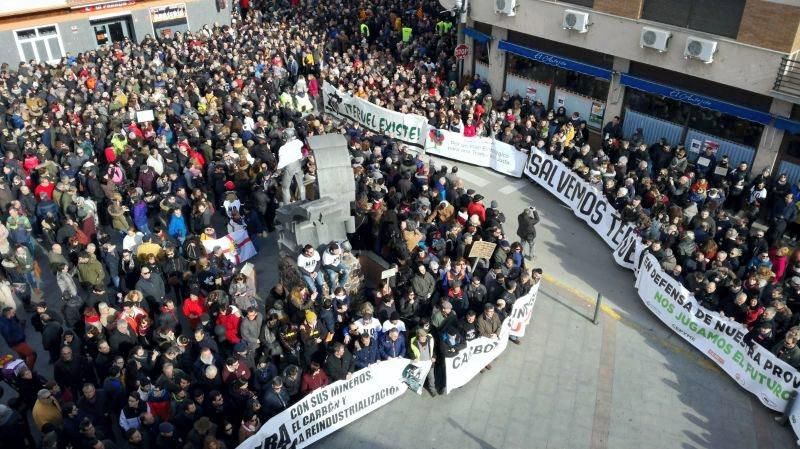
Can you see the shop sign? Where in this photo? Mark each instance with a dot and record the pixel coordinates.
(168, 13)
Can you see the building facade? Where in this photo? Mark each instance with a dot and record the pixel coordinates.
(47, 30)
(702, 73)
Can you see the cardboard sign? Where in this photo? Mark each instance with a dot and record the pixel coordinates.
(145, 116)
(482, 250)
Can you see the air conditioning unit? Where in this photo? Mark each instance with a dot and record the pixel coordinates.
(655, 39)
(576, 20)
(699, 48)
(505, 7)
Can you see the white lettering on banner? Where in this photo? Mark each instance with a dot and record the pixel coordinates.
(481, 151)
(332, 407)
(469, 362)
(721, 339)
(408, 128)
(586, 202)
(755, 368)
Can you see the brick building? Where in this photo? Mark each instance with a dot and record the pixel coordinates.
(718, 73)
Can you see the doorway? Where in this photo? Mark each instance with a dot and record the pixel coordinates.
(113, 30)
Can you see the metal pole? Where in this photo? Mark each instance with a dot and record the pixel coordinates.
(597, 307)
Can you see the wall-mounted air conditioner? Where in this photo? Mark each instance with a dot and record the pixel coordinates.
(655, 39)
(699, 48)
(576, 21)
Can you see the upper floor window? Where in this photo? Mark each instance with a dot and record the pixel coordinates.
(720, 17)
(586, 3)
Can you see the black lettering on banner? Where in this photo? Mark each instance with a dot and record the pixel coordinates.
(534, 164)
(280, 440)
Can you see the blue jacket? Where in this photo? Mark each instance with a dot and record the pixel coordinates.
(367, 355)
(390, 349)
(140, 214)
(177, 227)
(12, 330)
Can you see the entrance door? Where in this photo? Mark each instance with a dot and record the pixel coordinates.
(116, 31)
(113, 30)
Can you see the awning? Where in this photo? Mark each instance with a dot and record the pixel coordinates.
(696, 99)
(477, 36)
(557, 61)
(787, 125)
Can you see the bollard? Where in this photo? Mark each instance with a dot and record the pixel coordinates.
(597, 307)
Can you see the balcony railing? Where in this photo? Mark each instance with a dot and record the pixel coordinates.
(788, 79)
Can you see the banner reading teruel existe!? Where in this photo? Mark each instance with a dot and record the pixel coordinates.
(407, 128)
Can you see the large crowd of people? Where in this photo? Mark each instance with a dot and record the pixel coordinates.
(151, 340)
(154, 342)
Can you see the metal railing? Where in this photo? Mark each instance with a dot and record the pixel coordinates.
(788, 79)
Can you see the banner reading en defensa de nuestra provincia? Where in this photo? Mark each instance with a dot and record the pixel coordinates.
(407, 128)
(330, 408)
(721, 339)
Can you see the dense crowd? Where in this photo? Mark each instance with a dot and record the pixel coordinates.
(154, 340)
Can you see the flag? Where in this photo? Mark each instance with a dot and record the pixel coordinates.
(236, 247)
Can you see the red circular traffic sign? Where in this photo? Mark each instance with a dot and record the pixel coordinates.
(461, 51)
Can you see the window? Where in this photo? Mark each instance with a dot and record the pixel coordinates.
(586, 3)
(720, 17)
(576, 82)
(482, 49)
(42, 44)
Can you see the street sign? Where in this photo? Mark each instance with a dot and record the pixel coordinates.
(461, 52)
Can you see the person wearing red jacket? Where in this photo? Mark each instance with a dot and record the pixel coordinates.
(230, 319)
(44, 187)
(476, 207)
(193, 307)
(313, 378)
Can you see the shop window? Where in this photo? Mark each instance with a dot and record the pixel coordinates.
(656, 106)
(700, 15)
(586, 3)
(579, 83)
(725, 126)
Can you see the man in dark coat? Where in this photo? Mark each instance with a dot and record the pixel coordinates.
(526, 230)
(340, 364)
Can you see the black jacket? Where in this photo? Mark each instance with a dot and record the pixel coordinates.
(527, 225)
(339, 368)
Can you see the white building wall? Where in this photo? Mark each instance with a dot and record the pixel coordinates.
(735, 64)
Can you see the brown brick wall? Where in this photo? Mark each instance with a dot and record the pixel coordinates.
(770, 25)
(625, 8)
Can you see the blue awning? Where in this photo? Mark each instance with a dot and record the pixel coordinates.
(696, 99)
(557, 61)
(787, 125)
(476, 35)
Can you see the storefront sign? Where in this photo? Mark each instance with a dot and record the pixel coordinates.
(168, 13)
(556, 61)
(482, 151)
(93, 6)
(407, 128)
(696, 99)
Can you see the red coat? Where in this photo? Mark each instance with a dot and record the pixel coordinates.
(230, 321)
(311, 382)
(195, 308)
(48, 189)
(478, 209)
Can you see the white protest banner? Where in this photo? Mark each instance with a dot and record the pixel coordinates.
(236, 247)
(408, 128)
(481, 151)
(585, 200)
(145, 116)
(755, 368)
(522, 312)
(332, 407)
(721, 339)
(462, 367)
(469, 362)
